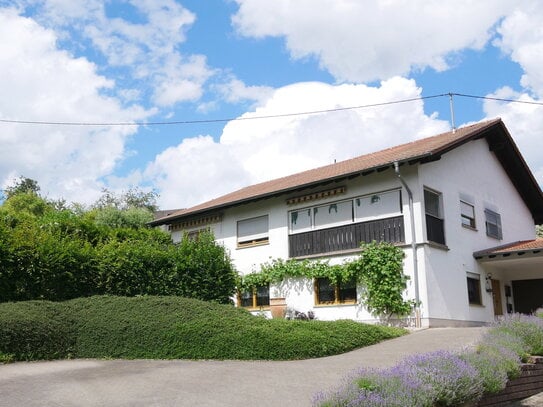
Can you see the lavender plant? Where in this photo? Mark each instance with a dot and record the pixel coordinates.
(443, 378)
(447, 378)
(527, 327)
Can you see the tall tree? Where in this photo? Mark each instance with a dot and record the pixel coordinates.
(22, 185)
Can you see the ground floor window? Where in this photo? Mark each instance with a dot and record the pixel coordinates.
(258, 297)
(474, 289)
(328, 293)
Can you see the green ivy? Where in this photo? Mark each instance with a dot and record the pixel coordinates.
(379, 268)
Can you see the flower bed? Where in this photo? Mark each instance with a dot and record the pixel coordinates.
(491, 375)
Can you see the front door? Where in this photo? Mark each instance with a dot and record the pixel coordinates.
(497, 297)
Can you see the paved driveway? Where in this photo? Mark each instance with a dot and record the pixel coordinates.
(150, 383)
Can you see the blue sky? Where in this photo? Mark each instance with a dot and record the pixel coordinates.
(144, 61)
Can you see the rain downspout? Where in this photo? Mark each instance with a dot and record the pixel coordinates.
(413, 245)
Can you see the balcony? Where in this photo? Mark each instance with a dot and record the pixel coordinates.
(346, 237)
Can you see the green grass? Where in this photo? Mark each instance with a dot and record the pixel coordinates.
(169, 328)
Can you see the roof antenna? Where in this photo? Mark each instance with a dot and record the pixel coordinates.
(452, 112)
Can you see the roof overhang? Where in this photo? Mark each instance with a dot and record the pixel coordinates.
(496, 134)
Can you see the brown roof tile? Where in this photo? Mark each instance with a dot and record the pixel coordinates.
(419, 150)
(521, 246)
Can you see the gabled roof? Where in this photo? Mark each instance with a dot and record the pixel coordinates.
(419, 151)
(522, 247)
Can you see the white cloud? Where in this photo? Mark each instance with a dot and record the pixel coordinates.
(196, 170)
(376, 39)
(235, 91)
(147, 49)
(251, 151)
(47, 84)
(522, 39)
(525, 123)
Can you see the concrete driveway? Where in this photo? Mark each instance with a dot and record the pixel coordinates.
(150, 383)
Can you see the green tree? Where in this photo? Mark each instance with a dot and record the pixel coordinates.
(131, 209)
(22, 185)
(539, 230)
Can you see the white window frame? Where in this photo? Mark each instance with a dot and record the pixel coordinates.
(465, 217)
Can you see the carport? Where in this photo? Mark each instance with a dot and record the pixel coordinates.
(514, 274)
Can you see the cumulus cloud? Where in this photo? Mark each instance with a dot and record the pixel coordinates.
(521, 38)
(376, 39)
(147, 49)
(251, 151)
(235, 91)
(525, 123)
(47, 84)
(196, 170)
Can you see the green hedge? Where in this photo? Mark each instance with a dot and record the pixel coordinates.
(61, 256)
(169, 328)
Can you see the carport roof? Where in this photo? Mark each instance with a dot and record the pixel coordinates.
(517, 248)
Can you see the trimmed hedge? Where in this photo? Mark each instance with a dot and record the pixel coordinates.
(61, 256)
(169, 328)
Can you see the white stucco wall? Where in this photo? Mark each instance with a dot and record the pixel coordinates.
(468, 171)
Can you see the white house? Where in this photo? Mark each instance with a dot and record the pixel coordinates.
(462, 205)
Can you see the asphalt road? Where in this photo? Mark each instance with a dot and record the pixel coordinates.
(148, 383)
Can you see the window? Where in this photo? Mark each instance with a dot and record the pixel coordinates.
(300, 220)
(467, 214)
(474, 289)
(435, 230)
(195, 234)
(253, 231)
(371, 207)
(493, 224)
(328, 293)
(333, 214)
(258, 297)
(378, 205)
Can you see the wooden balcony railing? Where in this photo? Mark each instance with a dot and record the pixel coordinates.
(346, 237)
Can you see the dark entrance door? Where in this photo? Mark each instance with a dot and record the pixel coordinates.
(528, 295)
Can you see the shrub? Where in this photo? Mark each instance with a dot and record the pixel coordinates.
(35, 330)
(446, 378)
(433, 379)
(203, 270)
(169, 328)
(495, 366)
(528, 328)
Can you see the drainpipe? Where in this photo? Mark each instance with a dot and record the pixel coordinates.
(413, 245)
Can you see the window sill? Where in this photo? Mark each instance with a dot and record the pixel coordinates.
(257, 309)
(338, 304)
(477, 305)
(469, 227)
(252, 244)
(495, 237)
(437, 245)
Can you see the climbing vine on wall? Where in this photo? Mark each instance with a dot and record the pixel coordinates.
(379, 268)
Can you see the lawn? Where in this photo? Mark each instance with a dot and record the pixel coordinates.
(169, 328)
